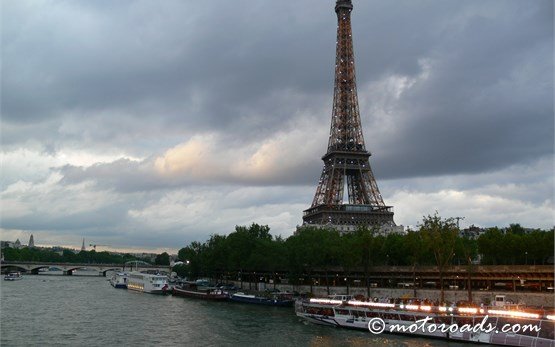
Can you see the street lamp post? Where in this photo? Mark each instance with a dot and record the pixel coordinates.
(458, 219)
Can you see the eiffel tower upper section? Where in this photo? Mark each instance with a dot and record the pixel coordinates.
(346, 161)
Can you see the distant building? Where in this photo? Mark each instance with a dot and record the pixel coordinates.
(31, 242)
(472, 232)
(518, 230)
(6, 244)
(17, 244)
(83, 245)
(57, 249)
(147, 256)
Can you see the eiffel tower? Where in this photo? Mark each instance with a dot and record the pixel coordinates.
(346, 162)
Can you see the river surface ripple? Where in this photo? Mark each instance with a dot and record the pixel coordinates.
(84, 310)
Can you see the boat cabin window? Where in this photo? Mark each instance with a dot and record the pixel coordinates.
(371, 314)
(390, 316)
(358, 313)
(407, 317)
(444, 320)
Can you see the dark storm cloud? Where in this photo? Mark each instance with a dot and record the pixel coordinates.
(101, 100)
(144, 76)
(183, 65)
(123, 175)
(488, 102)
(98, 219)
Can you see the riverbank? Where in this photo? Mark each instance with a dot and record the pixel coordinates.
(547, 300)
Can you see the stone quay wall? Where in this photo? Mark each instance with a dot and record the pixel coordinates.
(547, 300)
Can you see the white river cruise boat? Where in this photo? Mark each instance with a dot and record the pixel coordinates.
(13, 276)
(148, 283)
(119, 280)
(345, 312)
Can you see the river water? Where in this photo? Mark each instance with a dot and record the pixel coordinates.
(87, 310)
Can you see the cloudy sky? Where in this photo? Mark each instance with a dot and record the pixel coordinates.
(148, 124)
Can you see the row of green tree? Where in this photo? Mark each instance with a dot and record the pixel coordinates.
(436, 242)
(65, 256)
(514, 246)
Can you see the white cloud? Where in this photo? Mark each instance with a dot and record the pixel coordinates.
(478, 209)
(217, 209)
(30, 165)
(210, 158)
(518, 194)
(50, 200)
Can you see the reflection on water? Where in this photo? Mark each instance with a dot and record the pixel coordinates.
(86, 310)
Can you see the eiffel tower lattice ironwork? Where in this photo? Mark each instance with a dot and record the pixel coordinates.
(347, 160)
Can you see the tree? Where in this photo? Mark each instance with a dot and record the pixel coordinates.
(513, 248)
(364, 247)
(490, 246)
(467, 248)
(181, 270)
(192, 255)
(440, 235)
(162, 259)
(306, 251)
(347, 258)
(216, 254)
(515, 228)
(330, 252)
(416, 251)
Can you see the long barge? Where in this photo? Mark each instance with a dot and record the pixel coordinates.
(281, 300)
(462, 324)
(192, 291)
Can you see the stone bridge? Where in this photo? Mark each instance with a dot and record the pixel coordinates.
(68, 268)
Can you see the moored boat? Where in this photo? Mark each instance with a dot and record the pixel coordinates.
(279, 299)
(434, 321)
(192, 290)
(119, 280)
(13, 276)
(148, 283)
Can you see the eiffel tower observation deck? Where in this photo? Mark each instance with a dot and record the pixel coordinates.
(346, 163)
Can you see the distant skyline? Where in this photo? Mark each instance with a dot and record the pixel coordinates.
(124, 249)
(147, 125)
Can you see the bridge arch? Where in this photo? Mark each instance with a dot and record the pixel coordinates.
(111, 269)
(68, 268)
(12, 267)
(35, 270)
(135, 263)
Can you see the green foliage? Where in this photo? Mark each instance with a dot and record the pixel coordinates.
(192, 255)
(515, 246)
(441, 236)
(181, 270)
(465, 250)
(252, 249)
(162, 259)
